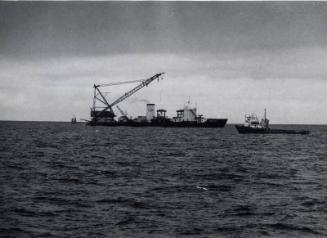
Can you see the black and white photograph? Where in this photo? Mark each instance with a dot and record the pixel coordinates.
(200, 119)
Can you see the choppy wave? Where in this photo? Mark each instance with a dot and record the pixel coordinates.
(62, 180)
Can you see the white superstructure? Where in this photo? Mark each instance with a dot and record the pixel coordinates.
(251, 120)
(186, 114)
(150, 112)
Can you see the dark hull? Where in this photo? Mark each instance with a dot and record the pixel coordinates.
(214, 123)
(249, 130)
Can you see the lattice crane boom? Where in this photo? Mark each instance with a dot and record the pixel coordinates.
(108, 107)
(137, 88)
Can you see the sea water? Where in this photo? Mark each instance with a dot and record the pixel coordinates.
(63, 180)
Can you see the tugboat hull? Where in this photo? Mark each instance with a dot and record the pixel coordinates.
(250, 130)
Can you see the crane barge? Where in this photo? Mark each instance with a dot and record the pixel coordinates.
(104, 115)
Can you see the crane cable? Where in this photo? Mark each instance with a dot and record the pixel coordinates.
(119, 83)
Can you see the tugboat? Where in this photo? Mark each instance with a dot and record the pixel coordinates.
(252, 125)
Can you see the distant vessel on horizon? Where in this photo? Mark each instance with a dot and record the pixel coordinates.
(73, 121)
(252, 125)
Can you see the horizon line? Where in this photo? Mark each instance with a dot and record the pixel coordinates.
(236, 123)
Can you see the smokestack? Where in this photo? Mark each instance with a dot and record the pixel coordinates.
(150, 111)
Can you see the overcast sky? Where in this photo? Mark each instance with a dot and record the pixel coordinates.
(229, 58)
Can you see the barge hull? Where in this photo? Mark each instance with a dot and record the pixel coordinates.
(213, 123)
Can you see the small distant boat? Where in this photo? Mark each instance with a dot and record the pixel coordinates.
(73, 121)
(253, 126)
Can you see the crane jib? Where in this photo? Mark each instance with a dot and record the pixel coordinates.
(134, 90)
(108, 109)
